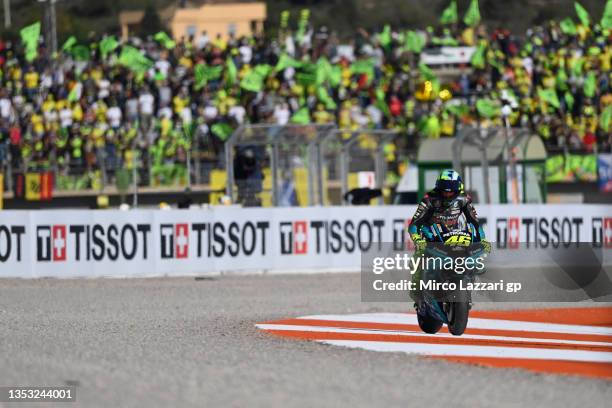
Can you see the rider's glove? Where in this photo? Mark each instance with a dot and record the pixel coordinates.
(419, 242)
(486, 245)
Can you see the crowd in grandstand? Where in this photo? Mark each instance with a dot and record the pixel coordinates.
(98, 105)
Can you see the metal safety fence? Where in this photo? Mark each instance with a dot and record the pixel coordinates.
(258, 165)
(299, 165)
(147, 161)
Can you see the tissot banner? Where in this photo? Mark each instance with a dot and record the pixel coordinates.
(75, 243)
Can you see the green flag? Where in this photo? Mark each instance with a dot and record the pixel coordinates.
(134, 60)
(284, 19)
(252, 81)
(478, 58)
(29, 37)
(285, 61)
(306, 78)
(549, 96)
(449, 15)
(426, 72)
(385, 36)
(31, 54)
(606, 119)
(203, 73)
(495, 63)
(30, 34)
(567, 26)
(487, 108)
(458, 109)
(606, 19)
(307, 75)
(324, 69)
(577, 67)
(325, 99)
(232, 71)
(414, 42)
(69, 43)
(301, 117)
(215, 72)
(302, 24)
(263, 70)
(583, 15)
(108, 45)
(381, 102)
(561, 79)
(569, 100)
(472, 15)
(74, 92)
(590, 84)
(363, 66)
(594, 50)
(335, 76)
(199, 75)
(165, 40)
(222, 130)
(80, 53)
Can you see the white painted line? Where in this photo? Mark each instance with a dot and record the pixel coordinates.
(324, 329)
(476, 351)
(473, 323)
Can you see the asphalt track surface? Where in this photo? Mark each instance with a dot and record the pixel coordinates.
(193, 343)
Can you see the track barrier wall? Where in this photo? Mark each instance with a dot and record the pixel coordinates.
(112, 243)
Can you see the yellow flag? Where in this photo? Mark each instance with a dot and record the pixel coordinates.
(32, 190)
(1, 191)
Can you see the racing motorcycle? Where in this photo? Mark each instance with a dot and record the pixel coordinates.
(444, 299)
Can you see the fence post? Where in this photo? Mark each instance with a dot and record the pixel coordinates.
(343, 172)
(512, 161)
(135, 179)
(197, 161)
(319, 174)
(9, 170)
(229, 170)
(189, 167)
(103, 167)
(274, 164)
(311, 172)
(379, 169)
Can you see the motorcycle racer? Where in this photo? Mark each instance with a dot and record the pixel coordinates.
(444, 205)
(442, 209)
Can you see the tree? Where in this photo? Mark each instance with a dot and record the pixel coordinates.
(151, 23)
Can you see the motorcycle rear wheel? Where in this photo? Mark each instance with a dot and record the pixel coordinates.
(458, 313)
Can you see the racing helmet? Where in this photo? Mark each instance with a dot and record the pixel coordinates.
(449, 181)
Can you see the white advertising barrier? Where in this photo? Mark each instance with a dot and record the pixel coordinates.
(447, 55)
(79, 243)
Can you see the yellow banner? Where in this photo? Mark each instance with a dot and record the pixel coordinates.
(1, 191)
(32, 190)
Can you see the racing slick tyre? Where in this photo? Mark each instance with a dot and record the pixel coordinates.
(457, 317)
(429, 324)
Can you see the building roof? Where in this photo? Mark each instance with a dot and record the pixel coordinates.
(131, 17)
